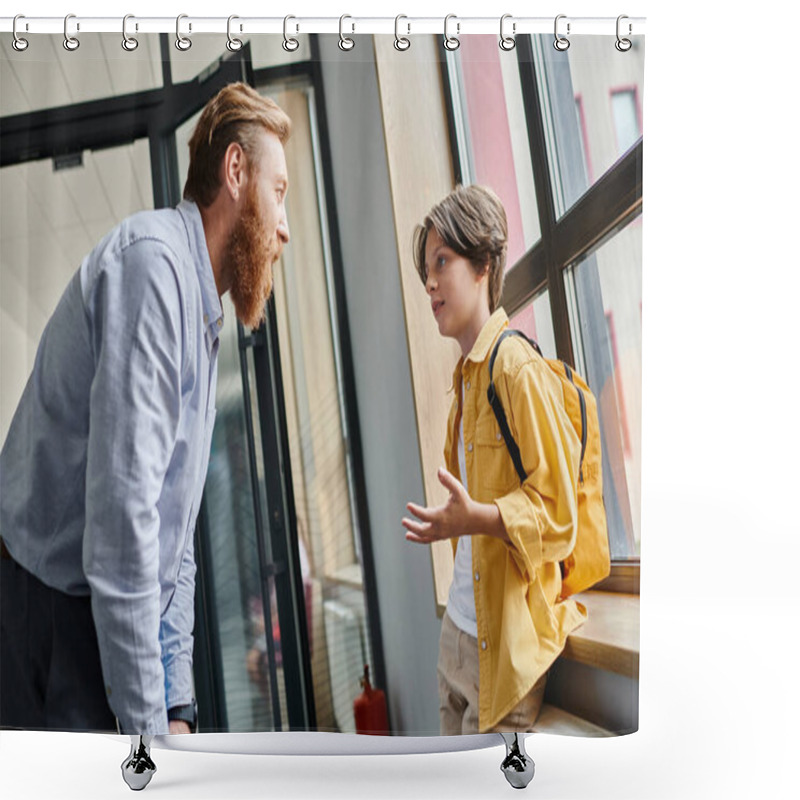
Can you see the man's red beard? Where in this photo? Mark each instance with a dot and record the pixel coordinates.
(249, 255)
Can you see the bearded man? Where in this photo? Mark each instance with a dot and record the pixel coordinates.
(102, 472)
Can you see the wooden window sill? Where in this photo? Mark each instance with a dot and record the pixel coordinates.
(556, 720)
(609, 639)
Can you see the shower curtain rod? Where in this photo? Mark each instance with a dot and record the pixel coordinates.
(293, 25)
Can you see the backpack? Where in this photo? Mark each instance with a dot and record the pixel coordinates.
(589, 561)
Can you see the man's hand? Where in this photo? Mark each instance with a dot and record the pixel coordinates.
(179, 726)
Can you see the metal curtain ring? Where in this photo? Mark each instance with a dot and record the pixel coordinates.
(183, 43)
(623, 45)
(561, 43)
(290, 44)
(507, 42)
(233, 44)
(345, 42)
(18, 43)
(129, 43)
(401, 42)
(70, 42)
(451, 42)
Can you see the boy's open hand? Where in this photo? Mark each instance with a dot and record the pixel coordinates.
(455, 518)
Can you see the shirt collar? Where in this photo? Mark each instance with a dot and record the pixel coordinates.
(212, 306)
(480, 350)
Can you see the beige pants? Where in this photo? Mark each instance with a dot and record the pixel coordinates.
(458, 688)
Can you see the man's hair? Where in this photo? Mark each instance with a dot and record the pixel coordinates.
(471, 221)
(237, 113)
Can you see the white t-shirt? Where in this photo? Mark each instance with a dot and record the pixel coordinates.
(461, 601)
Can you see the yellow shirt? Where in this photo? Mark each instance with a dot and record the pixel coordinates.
(521, 627)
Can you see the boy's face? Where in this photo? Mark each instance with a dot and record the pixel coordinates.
(459, 295)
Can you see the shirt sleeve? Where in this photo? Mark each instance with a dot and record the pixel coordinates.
(177, 642)
(134, 308)
(541, 515)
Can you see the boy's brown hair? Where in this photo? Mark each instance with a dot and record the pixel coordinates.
(472, 222)
(237, 113)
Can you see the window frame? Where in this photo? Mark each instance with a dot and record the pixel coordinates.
(607, 206)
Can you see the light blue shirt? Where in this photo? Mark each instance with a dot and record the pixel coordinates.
(102, 472)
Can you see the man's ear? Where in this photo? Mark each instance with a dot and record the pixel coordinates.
(234, 170)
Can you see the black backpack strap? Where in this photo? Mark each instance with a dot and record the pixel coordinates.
(584, 433)
(497, 406)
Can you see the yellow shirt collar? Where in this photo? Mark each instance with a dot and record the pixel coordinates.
(480, 350)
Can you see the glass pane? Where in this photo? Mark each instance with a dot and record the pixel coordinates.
(321, 473)
(234, 577)
(535, 320)
(590, 98)
(49, 220)
(272, 605)
(627, 126)
(494, 135)
(252, 680)
(207, 49)
(607, 287)
(29, 81)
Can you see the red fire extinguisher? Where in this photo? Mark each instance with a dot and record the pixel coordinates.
(369, 709)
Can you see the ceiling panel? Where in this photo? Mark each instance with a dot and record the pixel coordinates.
(13, 284)
(86, 187)
(14, 348)
(57, 208)
(47, 264)
(46, 75)
(119, 171)
(42, 82)
(12, 98)
(85, 70)
(140, 157)
(75, 243)
(134, 71)
(13, 201)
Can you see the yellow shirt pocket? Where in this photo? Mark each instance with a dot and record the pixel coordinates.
(493, 469)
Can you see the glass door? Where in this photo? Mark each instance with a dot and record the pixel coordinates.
(283, 630)
(251, 661)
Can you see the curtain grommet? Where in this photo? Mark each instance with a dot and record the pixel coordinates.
(71, 43)
(451, 43)
(561, 43)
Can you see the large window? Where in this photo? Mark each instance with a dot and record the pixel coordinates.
(42, 226)
(562, 148)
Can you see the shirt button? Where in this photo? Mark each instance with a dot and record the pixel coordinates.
(108, 691)
(469, 447)
(468, 384)
(205, 319)
(219, 323)
(483, 644)
(499, 436)
(477, 576)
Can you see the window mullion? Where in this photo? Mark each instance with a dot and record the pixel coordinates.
(545, 199)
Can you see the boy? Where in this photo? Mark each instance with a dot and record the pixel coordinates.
(503, 626)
